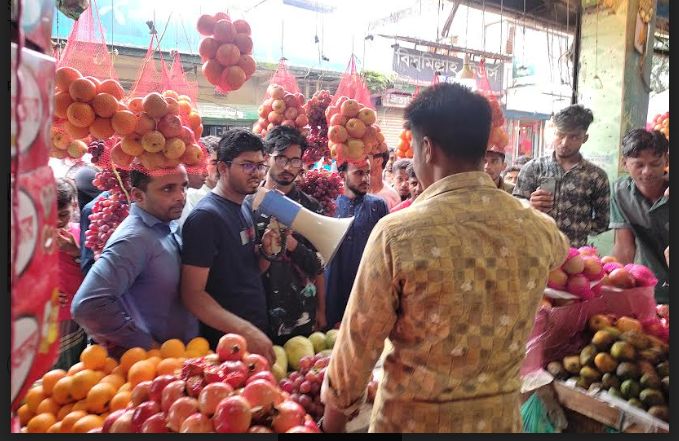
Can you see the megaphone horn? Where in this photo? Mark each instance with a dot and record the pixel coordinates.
(325, 233)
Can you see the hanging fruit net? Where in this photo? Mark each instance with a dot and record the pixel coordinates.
(152, 76)
(498, 136)
(352, 86)
(178, 80)
(284, 78)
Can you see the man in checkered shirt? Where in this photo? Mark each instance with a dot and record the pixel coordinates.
(580, 202)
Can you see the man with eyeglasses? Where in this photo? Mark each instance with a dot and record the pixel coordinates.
(565, 185)
(193, 195)
(221, 273)
(293, 281)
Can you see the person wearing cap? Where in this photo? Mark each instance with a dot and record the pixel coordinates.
(493, 164)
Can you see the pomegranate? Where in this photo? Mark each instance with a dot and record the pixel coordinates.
(194, 385)
(180, 411)
(155, 424)
(143, 412)
(300, 429)
(108, 422)
(232, 415)
(289, 414)
(211, 395)
(255, 363)
(196, 423)
(261, 393)
(140, 393)
(172, 393)
(123, 424)
(260, 429)
(264, 375)
(214, 374)
(311, 424)
(157, 386)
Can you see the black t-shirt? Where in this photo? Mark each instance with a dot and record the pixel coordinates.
(291, 295)
(220, 235)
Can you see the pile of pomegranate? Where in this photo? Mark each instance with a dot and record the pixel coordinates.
(230, 391)
(324, 186)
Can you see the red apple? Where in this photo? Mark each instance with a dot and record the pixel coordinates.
(350, 108)
(170, 126)
(211, 395)
(208, 48)
(301, 120)
(179, 411)
(172, 392)
(289, 123)
(275, 118)
(290, 100)
(187, 135)
(242, 27)
(367, 115)
(278, 106)
(155, 424)
(338, 120)
(355, 128)
(110, 419)
(206, 24)
(275, 91)
(338, 134)
(224, 31)
(232, 415)
(196, 423)
(143, 412)
(557, 279)
(621, 278)
(140, 393)
(291, 113)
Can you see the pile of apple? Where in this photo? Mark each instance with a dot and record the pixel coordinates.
(281, 108)
(158, 131)
(661, 123)
(226, 51)
(404, 149)
(81, 399)
(352, 132)
(231, 391)
(83, 108)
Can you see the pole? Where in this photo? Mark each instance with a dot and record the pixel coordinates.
(576, 52)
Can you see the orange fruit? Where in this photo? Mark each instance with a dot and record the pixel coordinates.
(50, 379)
(168, 366)
(87, 423)
(192, 354)
(120, 400)
(33, 398)
(48, 405)
(110, 364)
(127, 387)
(94, 357)
(233, 76)
(83, 90)
(24, 414)
(155, 105)
(171, 94)
(64, 76)
(184, 107)
(40, 423)
(61, 102)
(199, 131)
(70, 419)
(199, 344)
(101, 129)
(118, 370)
(130, 357)
(124, 122)
(80, 405)
(115, 380)
(64, 410)
(154, 353)
(112, 87)
(154, 361)
(194, 120)
(80, 114)
(143, 370)
(105, 105)
(136, 105)
(55, 428)
(99, 397)
(83, 381)
(61, 392)
(172, 348)
(76, 133)
(94, 80)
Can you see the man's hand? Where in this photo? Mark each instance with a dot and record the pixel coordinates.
(66, 242)
(259, 343)
(320, 321)
(290, 241)
(271, 242)
(334, 421)
(542, 200)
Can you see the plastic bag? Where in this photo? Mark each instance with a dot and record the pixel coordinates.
(534, 416)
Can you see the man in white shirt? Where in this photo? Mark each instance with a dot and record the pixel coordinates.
(193, 195)
(379, 187)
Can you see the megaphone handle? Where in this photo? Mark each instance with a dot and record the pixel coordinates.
(286, 209)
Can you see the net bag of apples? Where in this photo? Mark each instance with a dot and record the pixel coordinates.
(281, 107)
(498, 137)
(226, 51)
(87, 92)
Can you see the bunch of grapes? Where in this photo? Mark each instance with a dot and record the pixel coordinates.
(318, 127)
(96, 148)
(304, 386)
(108, 212)
(107, 180)
(324, 186)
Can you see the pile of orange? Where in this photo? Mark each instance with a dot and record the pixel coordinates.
(159, 130)
(80, 399)
(404, 149)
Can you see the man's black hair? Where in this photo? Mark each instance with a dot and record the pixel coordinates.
(65, 193)
(211, 143)
(236, 141)
(521, 161)
(139, 179)
(343, 167)
(401, 164)
(454, 118)
(512, 168)
(281, 137)
(638, 140)
(411, 171)
(385, 157)
(574, 117)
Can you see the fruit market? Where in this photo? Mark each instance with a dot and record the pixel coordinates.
(297, 216)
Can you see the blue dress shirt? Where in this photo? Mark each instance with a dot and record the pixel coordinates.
(131, 296)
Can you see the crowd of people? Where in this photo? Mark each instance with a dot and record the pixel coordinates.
(439, 261)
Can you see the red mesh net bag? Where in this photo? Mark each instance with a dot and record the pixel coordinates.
(284, 78)
(152, 76)
(86, 49)
(178, 81)
(498, 139)
(352, 86)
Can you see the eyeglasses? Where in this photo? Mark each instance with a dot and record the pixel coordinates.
(283, 161)
(250, 167)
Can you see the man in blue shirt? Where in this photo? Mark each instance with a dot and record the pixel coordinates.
(222, 266)
(367, 210)
(130, 296)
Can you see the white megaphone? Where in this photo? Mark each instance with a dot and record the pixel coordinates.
(325, 233)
